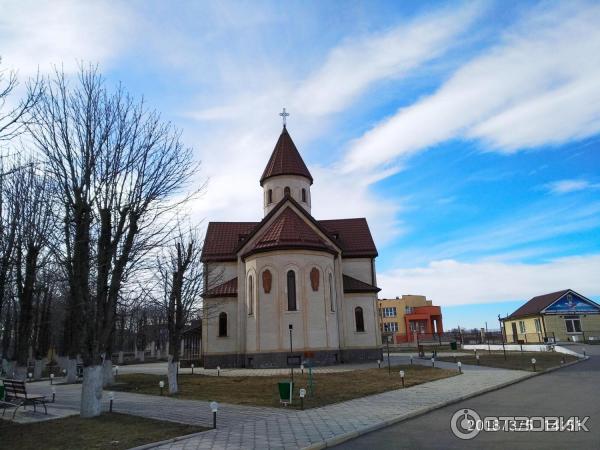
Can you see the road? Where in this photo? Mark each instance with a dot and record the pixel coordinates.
(572, 391)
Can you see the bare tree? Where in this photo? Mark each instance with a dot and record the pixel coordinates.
(181, 278)
(14, 118)
(118, 167)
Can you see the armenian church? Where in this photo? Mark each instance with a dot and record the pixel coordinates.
(290, 288)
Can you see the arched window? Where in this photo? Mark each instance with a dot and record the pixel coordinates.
(358, 318)
(222, 324)
(291, 290)
(269, 196)
(250, 296)
(331, 293)
(286, 190)
(304, 195)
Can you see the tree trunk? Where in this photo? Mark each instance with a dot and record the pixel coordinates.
(108, 377)
(172, 376)
(91, 391)
(72, 370)
(38, 367)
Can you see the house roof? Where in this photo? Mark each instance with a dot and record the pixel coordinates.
(537, 304)
(227, 289)
(352, 235)
(288, 231)
(285, 160)
(222, 238)
(352, 285)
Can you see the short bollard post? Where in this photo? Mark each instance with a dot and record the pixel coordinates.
(218, 371)
(161, 385)
(302, 395)
(53, 394)
(459, 364)
(477, 358)
(214, 407)
(302, 369)
(533, 361)
(402, 377)
(584, 354)
(379, 364)
(29, 376)
(411, 359)
(116, 371)
(454, 356)
(64, 372)
(432, 362)
(111, 397)
(51, 379)
(192, 369)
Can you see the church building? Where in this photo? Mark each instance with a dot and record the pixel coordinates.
(289, 288)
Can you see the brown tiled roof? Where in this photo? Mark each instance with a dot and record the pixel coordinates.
(289, 231)
(227, 289)
(222, 238)
(352, 235)
(536, 304)
(352, 285)
(285, 160)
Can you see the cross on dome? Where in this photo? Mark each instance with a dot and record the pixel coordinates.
(283, 115)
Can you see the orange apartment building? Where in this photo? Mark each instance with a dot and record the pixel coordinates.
(408, 316)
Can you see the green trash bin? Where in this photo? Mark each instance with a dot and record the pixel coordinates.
(453, 345)
(286, 388)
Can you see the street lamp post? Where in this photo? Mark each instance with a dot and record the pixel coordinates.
(502, 336)
(291, 351)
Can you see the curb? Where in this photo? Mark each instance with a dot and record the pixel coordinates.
(168, 441)
(354, 434)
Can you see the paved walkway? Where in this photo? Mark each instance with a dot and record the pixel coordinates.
(314, 427)
(265, 428)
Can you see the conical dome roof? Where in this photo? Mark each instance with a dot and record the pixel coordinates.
(285, 160)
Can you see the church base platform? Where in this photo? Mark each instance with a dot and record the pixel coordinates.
(280, 360)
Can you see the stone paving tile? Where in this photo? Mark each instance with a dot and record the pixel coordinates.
(245, 427)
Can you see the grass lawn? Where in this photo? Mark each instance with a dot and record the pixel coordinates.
(514, 360)
(109, 431)
(262, 391)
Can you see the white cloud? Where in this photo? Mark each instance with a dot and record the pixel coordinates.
(539, 86)
(42, 34)
(450, 282)
(355, 65)
(568, 186)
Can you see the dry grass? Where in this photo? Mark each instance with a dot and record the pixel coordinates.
(514, 360)
(109, 431)
(262, 391)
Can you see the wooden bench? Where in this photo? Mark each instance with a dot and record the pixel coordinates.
(15, 394)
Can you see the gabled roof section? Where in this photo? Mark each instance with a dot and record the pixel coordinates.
(289, 231)
(227, 289)
(285, 160)
(537, 304)
(354, 286)
(352, 235)
(222, 238)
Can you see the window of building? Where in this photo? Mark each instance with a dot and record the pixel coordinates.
(390, 312)
(291, 290)
(286, 190)
(573, 325)
(331, 293)
(538, 325)
(390, 326)
(250, 296)
(304, 195)
(222, 324)
(408, 310)
(270, 196)
(359, 319)
(522, 326)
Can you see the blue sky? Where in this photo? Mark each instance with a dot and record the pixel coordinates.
(467, 133)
